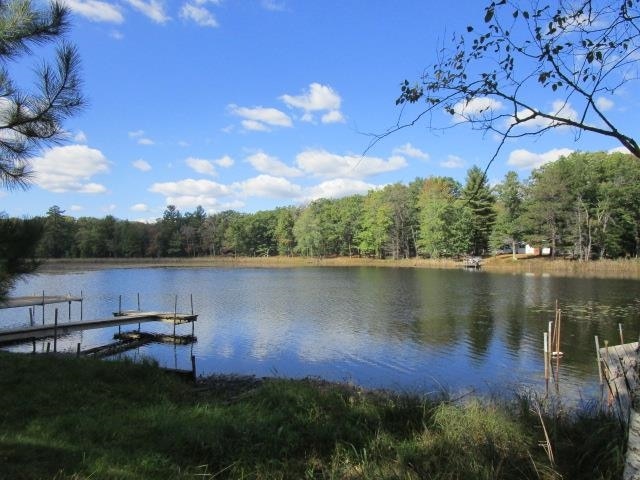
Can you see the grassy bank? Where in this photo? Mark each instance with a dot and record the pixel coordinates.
(79, 418)
(503, 263)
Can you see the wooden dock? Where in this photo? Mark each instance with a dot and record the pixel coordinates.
(472, 262)
(38, 300)
(35, 332)
(620, 366)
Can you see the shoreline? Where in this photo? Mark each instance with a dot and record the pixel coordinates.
(543, 266)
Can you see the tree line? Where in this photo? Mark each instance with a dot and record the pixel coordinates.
(585, 205)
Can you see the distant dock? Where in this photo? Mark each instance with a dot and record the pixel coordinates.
(472, 262)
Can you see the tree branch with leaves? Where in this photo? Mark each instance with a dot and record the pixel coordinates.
(580, 51)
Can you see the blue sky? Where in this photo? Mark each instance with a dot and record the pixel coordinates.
(254, 104)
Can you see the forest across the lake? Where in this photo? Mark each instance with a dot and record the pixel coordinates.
(584, 206)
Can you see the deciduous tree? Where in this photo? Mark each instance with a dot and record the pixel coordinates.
(503, 76)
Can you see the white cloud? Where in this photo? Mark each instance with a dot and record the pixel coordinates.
(202, 166)
(69, 169)
(325, 164)
(154, 9)
(260, 118)
(410, 151)
(116, 35)
(604, 104)
(80, 137)
(189, 193)
(109, 208)
(474, 108)
(452, 161)
(140, 138)
(273, 5)
(224, 162)
(76, 208)
(337, 188)
(198, 14)
(619, 149)
(95, 10)
(255, 126)
(334, 116)
(267, 164)
(524, 159)
(141, 165)
(92, 188)
(269, 186)
(318, 98)
(139, 207)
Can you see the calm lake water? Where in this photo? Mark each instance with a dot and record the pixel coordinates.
(416, 330)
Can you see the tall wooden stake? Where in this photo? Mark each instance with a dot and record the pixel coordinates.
(55, 331)
(599, 359)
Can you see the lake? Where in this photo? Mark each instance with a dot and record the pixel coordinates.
(411, 330)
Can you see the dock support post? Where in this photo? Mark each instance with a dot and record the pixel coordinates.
(193, 366)
(69, 309)
(119, 304)
(43, 307)
(138, 301)
(81, 302)
(545, 341)
(599, 359)
(621, 336)
(31, 316)
(175, 316)
(78, 350)
(33, 343)
(55, 331)
(48, 346)
(192, 304)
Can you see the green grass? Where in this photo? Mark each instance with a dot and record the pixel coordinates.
(79, 419)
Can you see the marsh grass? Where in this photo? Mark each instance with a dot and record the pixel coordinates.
(68, 418)
(620, 268)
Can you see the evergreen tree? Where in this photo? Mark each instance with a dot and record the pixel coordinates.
(480, 200)
(31, 119)
(508, 227)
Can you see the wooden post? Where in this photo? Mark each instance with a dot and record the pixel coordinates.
(78, 350)
(69, 309)
(33, 341)
(599, 360)
(193, 366)
(43, 307)
(31, 316)
(81, 302)
(55, 331)
(138, 301)
(119, 304)
(545, 337)
(192, 304)
(175, 316)
(48, 346)
(621, 336)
